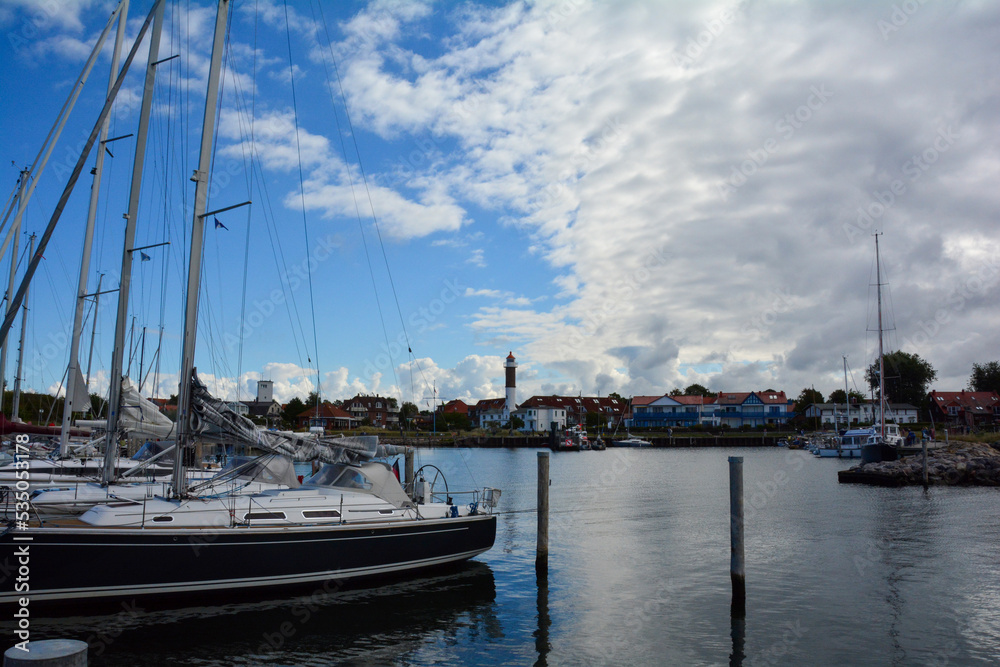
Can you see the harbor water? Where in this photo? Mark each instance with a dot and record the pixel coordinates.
(638, 575)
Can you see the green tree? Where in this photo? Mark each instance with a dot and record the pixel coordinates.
(516, 422)
(807, 397)
(458, 421)
(676, 391)
(698, 390)
(292, 410)
(408, 412)
(985, 377)
(615, 395)
(837, 396)
(906, 378)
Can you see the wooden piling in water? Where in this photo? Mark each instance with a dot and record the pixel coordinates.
(925, 463)
(542, 545)
(737, 569)
(408, 473)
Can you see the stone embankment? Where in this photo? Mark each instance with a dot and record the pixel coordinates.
(960, 464)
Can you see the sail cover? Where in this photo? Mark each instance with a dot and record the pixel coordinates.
(214, 421)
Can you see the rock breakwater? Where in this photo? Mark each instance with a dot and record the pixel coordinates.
(959, 464)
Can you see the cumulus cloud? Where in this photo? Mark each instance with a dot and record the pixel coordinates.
(718, 173)
(669, 192)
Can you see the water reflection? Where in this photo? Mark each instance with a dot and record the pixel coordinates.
(542, 645)
(738, 632)
(387, 624)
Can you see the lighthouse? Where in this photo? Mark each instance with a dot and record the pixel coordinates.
(510, 369)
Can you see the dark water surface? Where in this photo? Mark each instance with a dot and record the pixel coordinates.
(638, 575)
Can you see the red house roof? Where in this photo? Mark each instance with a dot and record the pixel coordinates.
(978, 401)
(327, 411)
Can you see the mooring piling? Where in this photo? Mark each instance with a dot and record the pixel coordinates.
(736, 562)
(542, 546)
(408, 469)
(925, 462)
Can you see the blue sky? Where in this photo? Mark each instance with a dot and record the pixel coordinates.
(631, 196)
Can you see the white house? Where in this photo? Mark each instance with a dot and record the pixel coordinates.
(540, 417)
(834, 414)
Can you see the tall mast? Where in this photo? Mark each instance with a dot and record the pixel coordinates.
(115, 377)
(14, 305)
(88, 238)
(93, 327)
(194, 261)
(20, 349)
(847, 394)
(881, 357)
(15, 230)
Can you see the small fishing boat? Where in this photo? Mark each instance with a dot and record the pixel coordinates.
(574, 440)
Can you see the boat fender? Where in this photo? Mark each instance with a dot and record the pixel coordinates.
(454, 512)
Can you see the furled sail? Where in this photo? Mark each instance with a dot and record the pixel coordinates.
(139, 417)
(213, 421)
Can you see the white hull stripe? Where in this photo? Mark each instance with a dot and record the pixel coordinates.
(205, 540)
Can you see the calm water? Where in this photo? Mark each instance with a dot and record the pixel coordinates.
(639, 575)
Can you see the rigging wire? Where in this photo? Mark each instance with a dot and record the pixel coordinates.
(364, 178)
(302, 194)
(249, 182)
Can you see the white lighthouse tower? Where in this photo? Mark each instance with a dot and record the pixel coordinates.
(510, 369)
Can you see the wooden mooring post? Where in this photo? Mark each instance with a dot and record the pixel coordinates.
(925, 463)
(408, 470)
(542, 546)
(737, 569)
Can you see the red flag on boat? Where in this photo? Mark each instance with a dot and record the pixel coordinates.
(395, 469)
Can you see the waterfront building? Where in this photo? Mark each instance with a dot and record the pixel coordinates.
(969, 409)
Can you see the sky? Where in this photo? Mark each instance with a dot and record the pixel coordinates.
(629, 196)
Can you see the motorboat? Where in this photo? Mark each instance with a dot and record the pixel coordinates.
(847, 446)
(632, 441)
(574, 440)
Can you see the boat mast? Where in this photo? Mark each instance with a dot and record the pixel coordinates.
(20, 349)
(115, 377)
(14, 305)
(881, 357)
(93, 327)
(847, 394)
(15, 230)
(194, 261)
(73, 374)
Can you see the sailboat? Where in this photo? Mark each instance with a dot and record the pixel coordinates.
(879, 447)
(351, 519)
